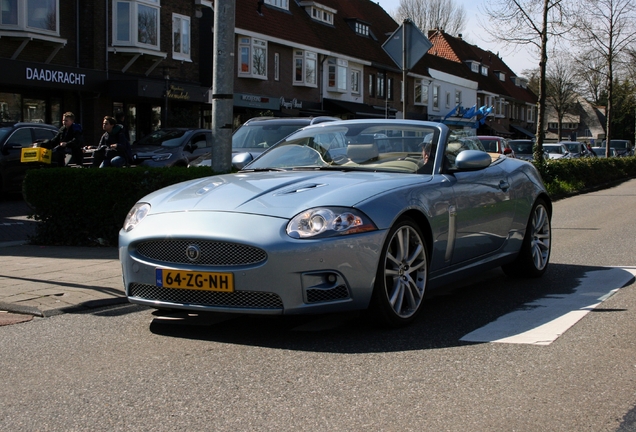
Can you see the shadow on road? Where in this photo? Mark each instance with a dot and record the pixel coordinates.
(448, 314)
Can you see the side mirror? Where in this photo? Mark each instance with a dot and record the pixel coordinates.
(507, 151)
(241, 159)
(470, 160)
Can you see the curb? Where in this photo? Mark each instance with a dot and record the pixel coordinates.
(82, 307)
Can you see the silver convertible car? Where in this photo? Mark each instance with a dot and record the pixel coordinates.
(346, 215)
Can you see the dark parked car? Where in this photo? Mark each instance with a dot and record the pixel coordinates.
(171, 147)
(13, 138)
(621, 147)
(260, 133)
(522, 148)
(576, 149)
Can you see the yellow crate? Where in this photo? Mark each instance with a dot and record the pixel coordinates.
(36, 154)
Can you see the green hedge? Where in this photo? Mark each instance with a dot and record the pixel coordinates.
(82, 207)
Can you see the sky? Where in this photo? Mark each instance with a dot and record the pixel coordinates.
(517, 60)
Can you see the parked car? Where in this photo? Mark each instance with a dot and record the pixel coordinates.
(576, 149)
(496, 145)
(260, 133)
(621, 147)
(171, 147)
(13, 138)
(556, 151)
(523, 148)
(300, 230)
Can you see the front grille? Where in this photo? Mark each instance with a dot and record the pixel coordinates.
(213, 253)
(237, 299)
(339, 292)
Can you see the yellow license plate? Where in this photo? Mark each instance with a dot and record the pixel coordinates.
(206, 281)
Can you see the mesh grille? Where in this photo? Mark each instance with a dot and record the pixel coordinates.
(213, 253)
(242, 299)
(322, 295)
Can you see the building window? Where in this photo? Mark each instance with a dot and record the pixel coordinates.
(530, 115)
(305, 68)
(379, 87)
(436, 97)
(39, 16)
(448, 100)
(362, 29)
(322, 15)
(458, 97)
(484, 70)
(474, 67)
(371, 80)
(252, 58)
(180, 37)
(276, 67)
(389, 88)
(421, 92)
(337, 75)
(355, 81)
(282, 4)
(136, 23)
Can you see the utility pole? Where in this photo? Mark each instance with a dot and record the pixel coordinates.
(223, 85)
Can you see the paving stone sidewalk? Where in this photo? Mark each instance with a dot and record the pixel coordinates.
(49, 280)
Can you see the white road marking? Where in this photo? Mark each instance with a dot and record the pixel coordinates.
(542, 321)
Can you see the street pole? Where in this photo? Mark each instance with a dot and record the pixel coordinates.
(223, 85)
(404, 90)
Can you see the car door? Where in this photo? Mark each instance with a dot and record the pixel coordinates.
(200, 144)
(482, 215)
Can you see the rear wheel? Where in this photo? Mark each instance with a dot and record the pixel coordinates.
(402, 275)
(534, 255)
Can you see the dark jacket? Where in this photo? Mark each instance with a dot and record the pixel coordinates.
(71, 136)
(117, 136)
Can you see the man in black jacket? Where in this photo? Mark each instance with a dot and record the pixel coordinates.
(113, 148)
(69, 137)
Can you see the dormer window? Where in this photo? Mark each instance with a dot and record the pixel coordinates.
(281, 4)
(318, 11)
(501, 75)
(474, 66)
(484, 70)
(362, 29)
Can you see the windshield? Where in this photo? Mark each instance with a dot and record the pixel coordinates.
(553, 149)
(521, 147)
(379, 146)
(261, 136)
(618, 144)
(163, 138)
(573, 147)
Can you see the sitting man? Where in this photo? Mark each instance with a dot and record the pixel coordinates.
(113, 148)
(428, 159)
(69, 137)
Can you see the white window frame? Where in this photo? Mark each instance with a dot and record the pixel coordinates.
(305, 62)
(362, 29)
(254, 52)
(356, 81)
(448, 100)
(458, 97)
(181, 26)
(436, 90)
(380, 85)
(420, 96)
(484, 70)
(321, 15)
(337, 72)
(27, 14)
(129, 22)
(281, 4)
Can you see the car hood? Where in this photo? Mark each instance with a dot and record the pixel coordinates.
(278, 194)
(149, 151)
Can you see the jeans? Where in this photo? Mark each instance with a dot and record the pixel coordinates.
(116, 162)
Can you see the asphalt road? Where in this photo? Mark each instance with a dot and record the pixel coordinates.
(129, 368)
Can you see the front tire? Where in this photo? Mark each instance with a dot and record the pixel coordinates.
(534, 255)
(402, 275)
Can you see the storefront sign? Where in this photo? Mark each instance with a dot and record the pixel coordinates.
(55, 76)
(176, 92)
(256, 101)
(294, 103)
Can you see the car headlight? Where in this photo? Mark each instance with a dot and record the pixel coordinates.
(161, 157)
(328, 222)
(136, 215)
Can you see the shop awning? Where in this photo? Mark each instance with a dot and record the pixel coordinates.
(501, 130)
(523, 131)
(358, 109)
